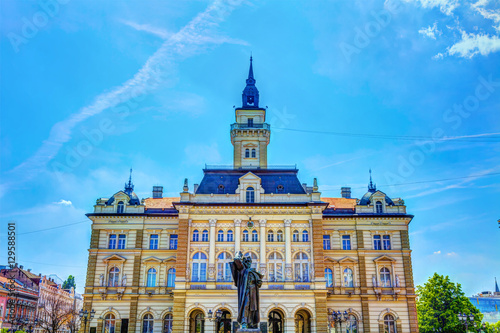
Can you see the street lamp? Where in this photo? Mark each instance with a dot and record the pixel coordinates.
(31, 325)
(86, 316)
(218, 316)
(337, 317)
(464, 319)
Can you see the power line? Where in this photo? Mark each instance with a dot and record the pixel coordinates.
(431, 181)
(56, 227)
(483, 137)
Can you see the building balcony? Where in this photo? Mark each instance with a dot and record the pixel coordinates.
(245, 126)
(269, 167)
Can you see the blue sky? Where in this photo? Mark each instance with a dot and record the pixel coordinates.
(90, 89)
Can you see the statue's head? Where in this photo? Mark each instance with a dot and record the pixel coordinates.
(247, 262)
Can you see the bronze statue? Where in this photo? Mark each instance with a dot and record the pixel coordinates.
(248, 281)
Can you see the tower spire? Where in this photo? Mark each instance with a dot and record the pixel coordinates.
(250, 93)
(129, 187)
(496, 286)
(371, 187)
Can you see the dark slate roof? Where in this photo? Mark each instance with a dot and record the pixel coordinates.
(134, 199)
(270, 179)
(365, 200)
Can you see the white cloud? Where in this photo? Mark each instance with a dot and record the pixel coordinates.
(451, 254)
(199, 31)
(437, 252)
(64, 202)
(487, 13)
(445, 6)
(163, 34)
(430, 31)
(473, 44)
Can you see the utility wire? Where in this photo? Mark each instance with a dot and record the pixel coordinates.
(56, 227)
(483, 137)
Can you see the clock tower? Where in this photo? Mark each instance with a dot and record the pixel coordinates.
(250, 133)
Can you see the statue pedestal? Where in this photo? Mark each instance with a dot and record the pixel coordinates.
(248, 330)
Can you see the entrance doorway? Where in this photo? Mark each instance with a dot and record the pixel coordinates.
(225, 322)
(302, 322)
(275, 320)
(197, 322)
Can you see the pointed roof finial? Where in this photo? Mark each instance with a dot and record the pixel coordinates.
(250, 93)
(250, 71)
(129, 187)
(371, 187)
(496, 286)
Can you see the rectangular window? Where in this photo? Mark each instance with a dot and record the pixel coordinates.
(255, 236)
(173, 242)
(229, 236)
(250, 122)
(346, 242)
(204, 236)
(112, 242)
(377, 243)
(326, 242)
(387, 242)
(153, 242)
(121, 241)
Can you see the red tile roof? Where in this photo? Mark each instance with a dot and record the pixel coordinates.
(340, 202)
(160, 202)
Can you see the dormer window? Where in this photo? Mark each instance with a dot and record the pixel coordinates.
(120, 208)
(220, 189)
(280, 189)
(378, 207)
(250, 122)
(250, 195)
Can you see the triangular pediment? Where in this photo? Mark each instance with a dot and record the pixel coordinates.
(378, 194)
(384, 258)
(169, 259)
(120, 195)
(347, 260)
(151, 259)
(330, 259)
(114, 257)
(249, 176)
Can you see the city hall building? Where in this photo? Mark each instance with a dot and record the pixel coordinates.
(162, 264)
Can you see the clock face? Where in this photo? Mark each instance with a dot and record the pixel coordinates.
(250, 224)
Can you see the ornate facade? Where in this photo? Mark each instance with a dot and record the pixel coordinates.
(161, 264)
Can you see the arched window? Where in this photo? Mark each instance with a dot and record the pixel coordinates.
(199, 270)
(255, 236)
(295, 237)
(113, 277)
(352, 324)
(247, 153)
(378, 207)
(147, 324)
(250, 194)
(305, 236)
(230, 236)
(109, 323)
(254, 259)
(220, 236)
(270, 236)
(301, 267)
(197, 322)
(204, 236)
(120, 208)
(385, 277)
(196, 236)
(275, 265)
(253, 153)
(223, 268)
(279, 236)
(329, 277)
(348, 279)
(389, 324)
(220, 189)
(151, 277)
(171, 278)
(167, 323)
(245, 236)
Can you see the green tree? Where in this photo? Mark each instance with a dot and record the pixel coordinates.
(70, 282)
(492, 328)
(438, 304)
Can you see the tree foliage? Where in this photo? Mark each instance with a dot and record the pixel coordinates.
(70, 282)
(438, 304)
(492, 328)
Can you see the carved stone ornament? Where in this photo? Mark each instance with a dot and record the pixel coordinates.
(237, 222)
(288, 222)
(212, 222)
(262, 223)
(211, 271)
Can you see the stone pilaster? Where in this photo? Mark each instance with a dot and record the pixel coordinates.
(262, 238)
(182, 251)
(317, 241)
(321, 313)
(133, 315)
(365, 312)
(237, 235)
(89, 283)
(179, 311)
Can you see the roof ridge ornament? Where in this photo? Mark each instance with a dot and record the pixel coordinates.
(129, 187)
(371, 187)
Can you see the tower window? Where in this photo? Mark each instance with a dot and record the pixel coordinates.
(253, 153)
(280, 189)
(247, 153)
(250, 122)
(250, 195)
(220, 189)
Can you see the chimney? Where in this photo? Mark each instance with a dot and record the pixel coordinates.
(195, 187)
(21, 266)
(40, 274)
(345, 192)
(29, 270)
(157, 192)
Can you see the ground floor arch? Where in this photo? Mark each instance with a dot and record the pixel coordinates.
(302, 321)
(197, 321)
(276, 321)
